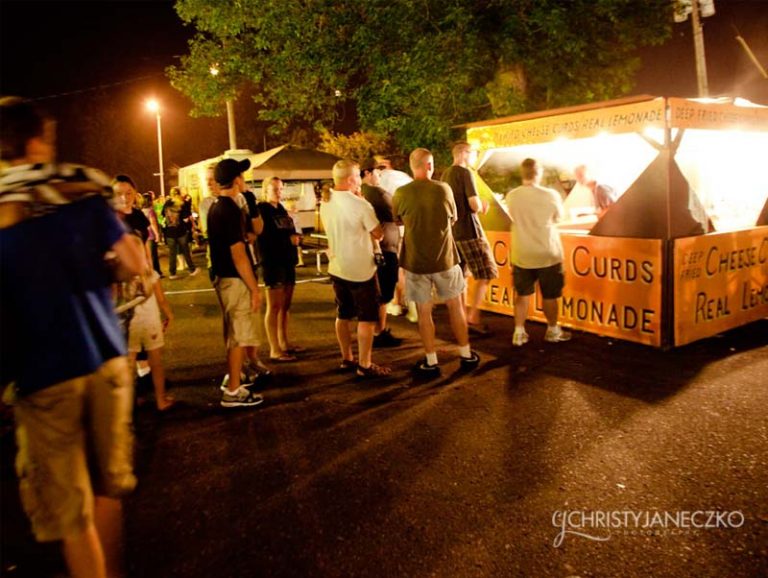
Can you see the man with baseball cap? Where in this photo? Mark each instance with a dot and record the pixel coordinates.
(234, 280)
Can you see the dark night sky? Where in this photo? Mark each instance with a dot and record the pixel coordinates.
(59, 51)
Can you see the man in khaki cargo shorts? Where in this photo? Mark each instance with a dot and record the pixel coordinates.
(73, 402)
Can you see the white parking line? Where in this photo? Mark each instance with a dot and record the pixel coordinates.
(190, 291)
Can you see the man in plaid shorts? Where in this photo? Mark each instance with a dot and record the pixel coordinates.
(468, 233)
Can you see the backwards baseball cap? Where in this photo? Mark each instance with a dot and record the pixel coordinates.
(229, 169)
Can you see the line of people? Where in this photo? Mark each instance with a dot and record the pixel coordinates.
(443, 242)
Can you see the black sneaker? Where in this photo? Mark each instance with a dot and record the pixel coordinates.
(470, 362)
(424, 368)
(386, 339)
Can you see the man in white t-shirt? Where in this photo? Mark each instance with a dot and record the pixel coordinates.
(351, 226)
(390, 179)
(537, 252)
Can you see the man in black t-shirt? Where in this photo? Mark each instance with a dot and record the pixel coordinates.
(234, 280)
(468, 233)
(387, 271)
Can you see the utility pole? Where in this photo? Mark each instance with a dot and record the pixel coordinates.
(698, 45)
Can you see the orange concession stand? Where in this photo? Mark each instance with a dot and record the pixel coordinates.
(680, 252)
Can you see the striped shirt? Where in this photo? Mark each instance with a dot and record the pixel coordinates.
(42, 188)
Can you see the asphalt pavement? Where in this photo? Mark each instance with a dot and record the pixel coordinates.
(591, 458)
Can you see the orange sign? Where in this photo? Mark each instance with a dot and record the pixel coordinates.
(691, 114)
(615, 119)
(613, 286)
(721, 282)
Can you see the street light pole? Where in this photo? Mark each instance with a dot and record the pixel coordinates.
(231, 125)
(154, 106)
(214, 70)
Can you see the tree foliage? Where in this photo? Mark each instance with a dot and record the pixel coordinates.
(358, 146)
(412, 69)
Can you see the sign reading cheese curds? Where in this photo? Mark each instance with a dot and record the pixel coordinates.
(613, 286)
(721, 281)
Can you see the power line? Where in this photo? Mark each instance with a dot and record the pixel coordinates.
(99, 87)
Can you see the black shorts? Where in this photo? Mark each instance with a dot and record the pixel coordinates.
(387, 275)
(551, 280)
(354, 299)
(278, 275)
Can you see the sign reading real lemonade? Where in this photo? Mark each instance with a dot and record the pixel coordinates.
(617, 119)
(721, 281)
(613, 286)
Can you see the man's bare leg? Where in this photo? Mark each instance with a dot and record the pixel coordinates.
(473, 309)
(344, 338)
(83, 554)
(235, 365)
(426, 326)
(365, 342)
(108, 520)
(550, 311)
(458, 320)
(521, 311)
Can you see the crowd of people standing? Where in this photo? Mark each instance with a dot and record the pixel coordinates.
(79, 395)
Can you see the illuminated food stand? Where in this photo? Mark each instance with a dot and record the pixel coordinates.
(679, 251)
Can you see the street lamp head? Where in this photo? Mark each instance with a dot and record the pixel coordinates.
(153, 105)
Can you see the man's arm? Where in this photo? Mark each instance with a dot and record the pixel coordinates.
(245, 270)
(377, 233)
(476, 204)
(257, 224)
(130, 254)
(451, 202)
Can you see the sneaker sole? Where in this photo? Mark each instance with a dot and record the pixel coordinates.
(427, 371)
(242, 403)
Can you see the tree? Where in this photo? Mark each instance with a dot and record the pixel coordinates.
(412, 69)
(358, 146)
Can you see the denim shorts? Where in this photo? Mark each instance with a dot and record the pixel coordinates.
(447, 284)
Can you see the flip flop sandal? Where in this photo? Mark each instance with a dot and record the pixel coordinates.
(284, 358)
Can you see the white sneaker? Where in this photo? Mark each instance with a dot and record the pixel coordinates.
(519, 338)
(394, 309)
(413, 313)
(557, 334)
(142, 371)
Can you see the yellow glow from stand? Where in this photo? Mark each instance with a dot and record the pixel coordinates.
(152, 105)
(726, 170)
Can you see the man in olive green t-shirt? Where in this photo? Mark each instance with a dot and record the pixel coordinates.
(430, 259)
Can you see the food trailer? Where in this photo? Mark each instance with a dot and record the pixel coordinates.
(677, 249)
